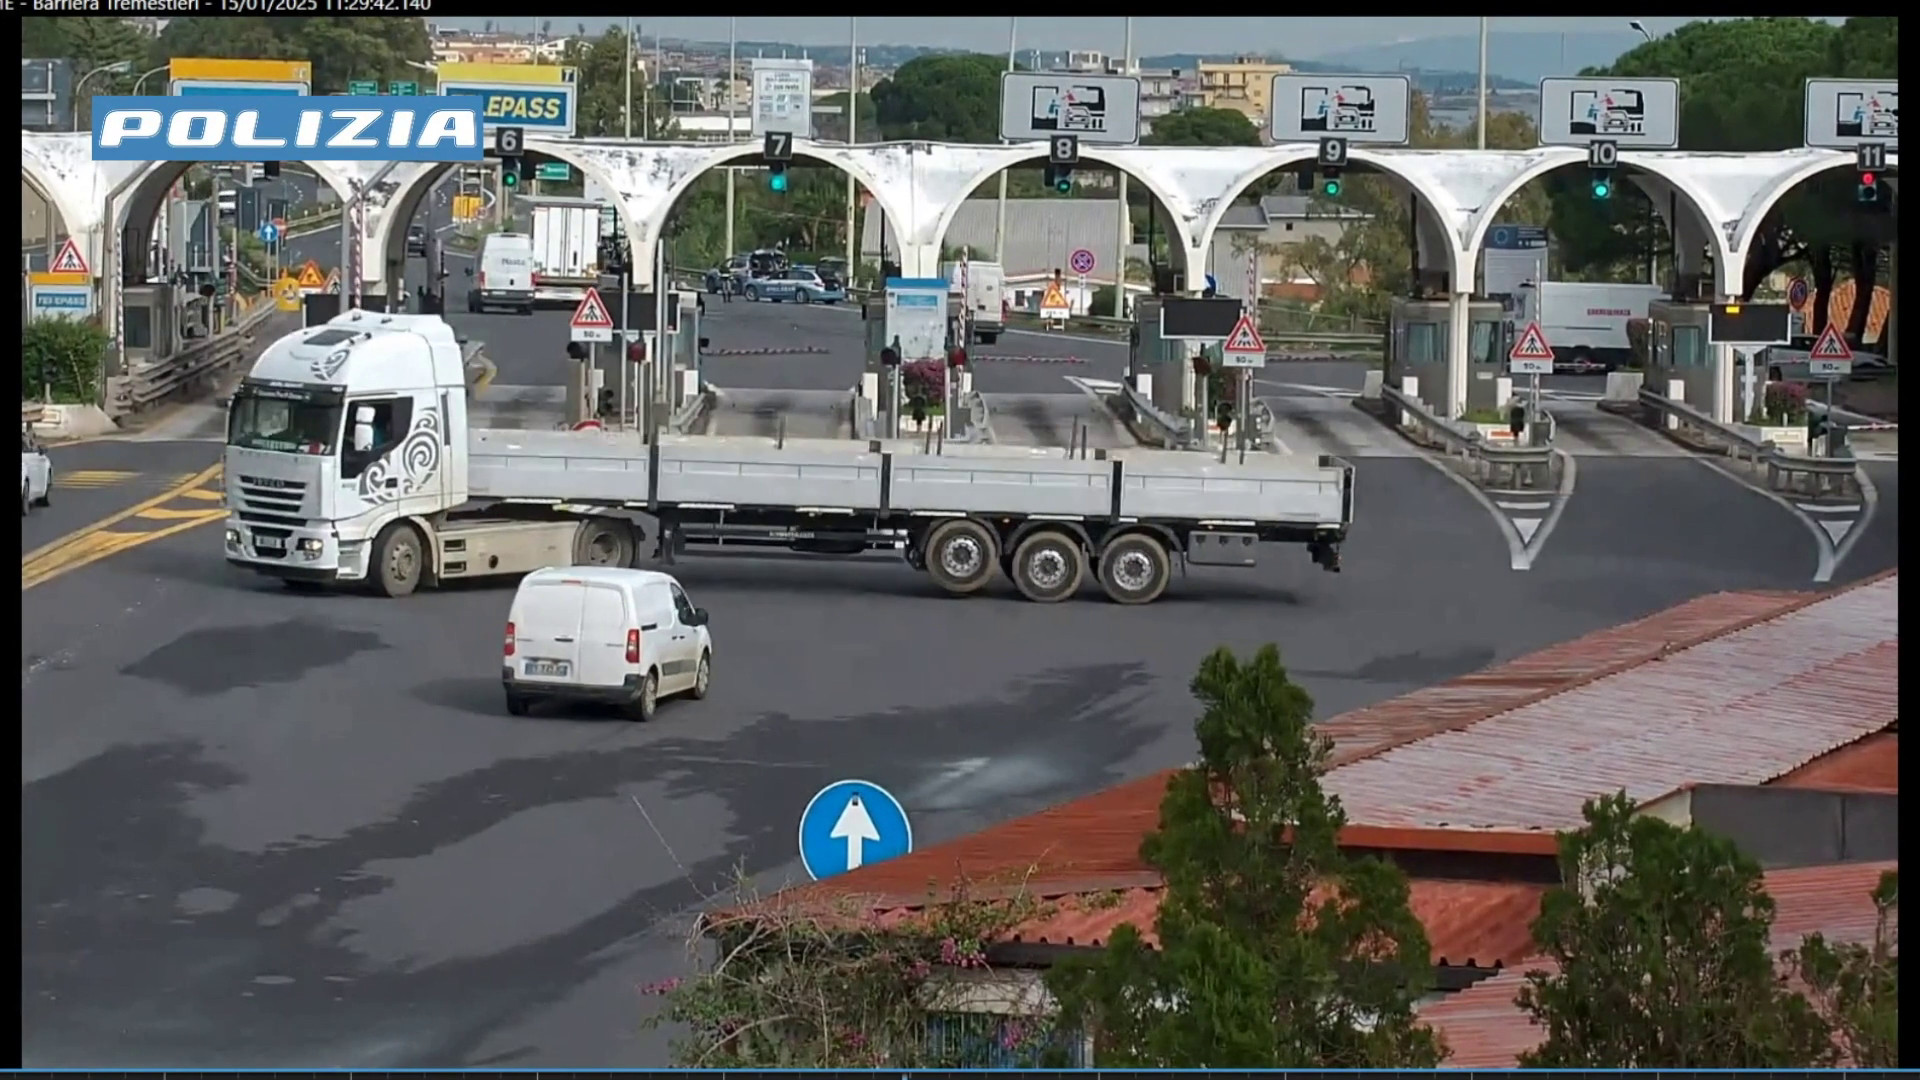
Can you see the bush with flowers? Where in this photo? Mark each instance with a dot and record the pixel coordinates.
(1782, 405)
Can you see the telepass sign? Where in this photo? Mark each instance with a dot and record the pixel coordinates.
(268, 128)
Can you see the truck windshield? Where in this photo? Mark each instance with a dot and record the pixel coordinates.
(258, 422)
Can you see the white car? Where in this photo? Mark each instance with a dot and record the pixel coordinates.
(36, 475)
(604, 634)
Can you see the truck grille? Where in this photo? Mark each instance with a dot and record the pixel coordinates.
(267, 501)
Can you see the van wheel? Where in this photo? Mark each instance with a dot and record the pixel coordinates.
(1048, 567)
(398, 559)
(751, 293)
(516, 704)
(642, 707)
(961, 556)
(702, 678)
(1135, 569)
(603, 542)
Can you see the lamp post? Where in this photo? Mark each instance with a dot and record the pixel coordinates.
(1000, 220)
(142, 80)
(853, 137)
(118, 67)
(1126, 218)
(1480, 140)
(733, 134)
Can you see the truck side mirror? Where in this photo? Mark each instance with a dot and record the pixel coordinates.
(363, 429)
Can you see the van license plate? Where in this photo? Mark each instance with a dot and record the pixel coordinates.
(549, 669)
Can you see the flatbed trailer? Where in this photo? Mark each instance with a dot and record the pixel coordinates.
(958, 512)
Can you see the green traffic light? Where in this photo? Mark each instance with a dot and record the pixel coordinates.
(1602, 189)
(1063, 185)
(778, 181)
(1331, 189)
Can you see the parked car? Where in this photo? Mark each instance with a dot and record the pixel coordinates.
(802, 285)
(36, 475)
(728, 277)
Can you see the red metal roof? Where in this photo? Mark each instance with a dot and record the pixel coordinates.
(1743, 708)
(1484, 1030)
(1871, 765)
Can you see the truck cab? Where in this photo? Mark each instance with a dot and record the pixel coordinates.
(338, 432)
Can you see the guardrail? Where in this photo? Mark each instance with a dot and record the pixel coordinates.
(1502, 467)
(1798, 474)
(189, 369)
(1150, 424)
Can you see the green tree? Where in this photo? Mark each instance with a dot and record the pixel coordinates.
(61, 358)
(1857, 987)
(603, 87)
(949, 97)
(1203, 127)
(1661, 936)
(1275, 949)
(831, 127)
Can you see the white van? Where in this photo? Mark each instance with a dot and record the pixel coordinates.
(606, 634)
(506, 274)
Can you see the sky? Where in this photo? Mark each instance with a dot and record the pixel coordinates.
(1295, 37)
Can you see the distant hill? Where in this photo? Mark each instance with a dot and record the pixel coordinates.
(1523, 57)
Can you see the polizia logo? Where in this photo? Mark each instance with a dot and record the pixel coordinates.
(270, 128)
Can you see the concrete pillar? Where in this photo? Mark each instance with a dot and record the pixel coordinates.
(1459, 340)
(1725, 399)
(1690, 245)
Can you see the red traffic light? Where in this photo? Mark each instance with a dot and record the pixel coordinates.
(1868, 179)
(957, 358)
(637, 353)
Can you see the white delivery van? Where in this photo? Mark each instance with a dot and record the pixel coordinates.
(505, 277)
(983, 297)
(604, 634)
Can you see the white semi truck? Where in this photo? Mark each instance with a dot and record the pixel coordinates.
(566, 248)
(349, 459)
(1586, 322)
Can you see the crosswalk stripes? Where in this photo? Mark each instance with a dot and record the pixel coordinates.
(95, 479)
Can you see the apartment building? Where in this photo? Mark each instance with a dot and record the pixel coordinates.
(1242, 85)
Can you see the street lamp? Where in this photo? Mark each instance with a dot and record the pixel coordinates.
(1641, 28)
(142, 80)
(118, 67)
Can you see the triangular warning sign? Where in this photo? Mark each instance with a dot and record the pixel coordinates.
(69, 260)
(1531, 345)
(1245, 338)
(1831, 345)
(592, 313)
(310, 276)
(1054, 298)
(333, 277)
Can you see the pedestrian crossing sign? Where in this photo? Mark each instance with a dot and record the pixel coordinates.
(1832, 345)
(69, 260)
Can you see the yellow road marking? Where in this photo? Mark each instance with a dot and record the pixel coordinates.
(163, 513)
(93, 547)
(203, 494)
(92, 478)
(196, 480)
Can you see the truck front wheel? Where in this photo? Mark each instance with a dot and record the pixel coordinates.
(399, 559)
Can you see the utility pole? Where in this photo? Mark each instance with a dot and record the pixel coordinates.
(733, 135)
(1000, 222)
(1126, 218)
(1481, 139)
(853, 138)
(626, 109)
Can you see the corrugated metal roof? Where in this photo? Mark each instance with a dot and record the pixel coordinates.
(1484, 1030)
(1871, 765)
(1744, 708)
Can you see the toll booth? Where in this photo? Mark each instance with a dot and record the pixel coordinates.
(151, 323)
(1161, 368)
(1418, 341)
(1680, 359)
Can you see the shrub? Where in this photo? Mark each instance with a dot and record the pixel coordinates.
(926, 380)
(1783, 405)
(62, 358)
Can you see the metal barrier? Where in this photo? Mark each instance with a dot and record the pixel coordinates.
(1798, 474)
(188, 369)
(1151, 425)
(1506, 468)
(692, 412)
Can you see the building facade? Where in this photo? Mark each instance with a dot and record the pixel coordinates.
(1243, 85)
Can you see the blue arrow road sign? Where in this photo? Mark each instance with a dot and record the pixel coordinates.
(851, 824)
(269, 234)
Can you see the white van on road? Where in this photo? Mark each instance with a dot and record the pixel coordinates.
(505, 278)
(604, 634)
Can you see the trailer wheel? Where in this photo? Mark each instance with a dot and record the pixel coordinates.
(1135, 569)
(961, 555)
(1048, 567)
(399, 559)
(602, 541)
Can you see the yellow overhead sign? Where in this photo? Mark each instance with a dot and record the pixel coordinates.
(510, 74)
(293, 71)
